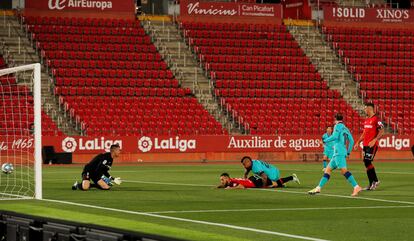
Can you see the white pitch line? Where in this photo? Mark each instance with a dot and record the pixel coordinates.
(336, 195)
(277, 209)
(285, 191)
(189, 220)
(167, 183)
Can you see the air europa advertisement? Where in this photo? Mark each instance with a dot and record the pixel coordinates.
(375, 15)
(187, 144)
(82, 5)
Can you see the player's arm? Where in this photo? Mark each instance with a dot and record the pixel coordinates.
(379, 135)
(359, 140)
(246, 173)
(334, 136)
(264, 179)
(351, 142)
(238, 186)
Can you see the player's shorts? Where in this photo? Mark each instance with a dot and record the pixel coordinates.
(327, 153)
(87, 176)
(258, 182)
(337, 162)
(369, 152)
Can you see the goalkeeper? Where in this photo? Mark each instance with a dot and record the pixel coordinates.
(97, 171)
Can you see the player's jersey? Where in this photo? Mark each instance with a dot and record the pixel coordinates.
(99, 165)
(328, 147)
(247, 183)
(372, 126)
(340, 136)
(259, 167)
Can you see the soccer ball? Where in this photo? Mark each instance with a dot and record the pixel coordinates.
(7, 168)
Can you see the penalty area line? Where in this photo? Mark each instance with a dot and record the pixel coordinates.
(188, 220)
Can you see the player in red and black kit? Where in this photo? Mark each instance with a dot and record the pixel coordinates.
(373, 131)
(97, 170)
(254, 181)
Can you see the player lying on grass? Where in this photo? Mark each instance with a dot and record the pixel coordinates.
(266, 171)
(252, 182)
(341, 137)
(97, 170)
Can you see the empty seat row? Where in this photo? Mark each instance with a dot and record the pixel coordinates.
(277, 93)
(387, 86)
(237, 35)
(252, 27)
(113, 91)
(265, 84)
(253, 51)
(103, 82)
(237, 75)
(380, 61)
(107, 64)
(372, 39)
(79, 38)
(378, 54)
(111, 73)
(62, 21)
(86, 30)
(83, 55)
(87, 47)
(254, 59)
(300, 68)
(243, 43)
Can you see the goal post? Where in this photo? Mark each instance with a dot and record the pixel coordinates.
(20, 105)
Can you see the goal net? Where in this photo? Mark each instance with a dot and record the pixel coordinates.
(20, 133)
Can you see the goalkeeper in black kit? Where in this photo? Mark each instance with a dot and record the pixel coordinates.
(97, 170)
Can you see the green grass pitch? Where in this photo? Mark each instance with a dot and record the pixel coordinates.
(153, 194)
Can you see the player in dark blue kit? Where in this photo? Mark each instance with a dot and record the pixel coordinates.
(97, 170)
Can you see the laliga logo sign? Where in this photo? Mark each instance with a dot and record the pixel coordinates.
(145, 144)
(69, 144)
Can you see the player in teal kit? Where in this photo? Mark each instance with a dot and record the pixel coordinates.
(327, 147)
(266, 171)
(341, 135)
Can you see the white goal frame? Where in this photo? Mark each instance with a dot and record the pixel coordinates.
(37, 99)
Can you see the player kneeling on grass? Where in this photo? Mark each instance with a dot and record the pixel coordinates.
(97, 171)
(266, 171)
(341, 135)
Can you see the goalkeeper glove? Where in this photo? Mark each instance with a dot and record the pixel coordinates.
(117, 180)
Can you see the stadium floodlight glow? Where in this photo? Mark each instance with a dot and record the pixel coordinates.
(21, 131)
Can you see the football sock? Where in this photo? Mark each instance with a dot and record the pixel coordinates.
(350, 178)
(324, 179)
(80, 186)
(283, 180)
(325, 163)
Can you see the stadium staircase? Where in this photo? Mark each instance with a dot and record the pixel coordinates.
(17, 49)
(328, 64)
(170, 43)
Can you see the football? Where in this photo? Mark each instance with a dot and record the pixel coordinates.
(7, 168)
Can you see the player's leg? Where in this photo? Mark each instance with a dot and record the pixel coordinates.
(85, 184)
(284, 180)
(324, 162)
(103, 185)
(348, 175)
(369, 153)
(325, 178)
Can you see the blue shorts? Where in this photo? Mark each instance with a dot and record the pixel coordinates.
(327, 153)
(337, 162)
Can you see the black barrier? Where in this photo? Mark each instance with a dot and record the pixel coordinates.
(18, 227)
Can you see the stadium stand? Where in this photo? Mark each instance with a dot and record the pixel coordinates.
(15, 103)
(264, 78)
(381, 60)
(108, 73)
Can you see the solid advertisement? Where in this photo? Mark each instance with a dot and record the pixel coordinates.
(375, 15)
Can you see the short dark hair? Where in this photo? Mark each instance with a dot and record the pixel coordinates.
(339, 116)
(369, 104)
(224, 174)
(114, 146)
(329, 126)
(245, 157)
